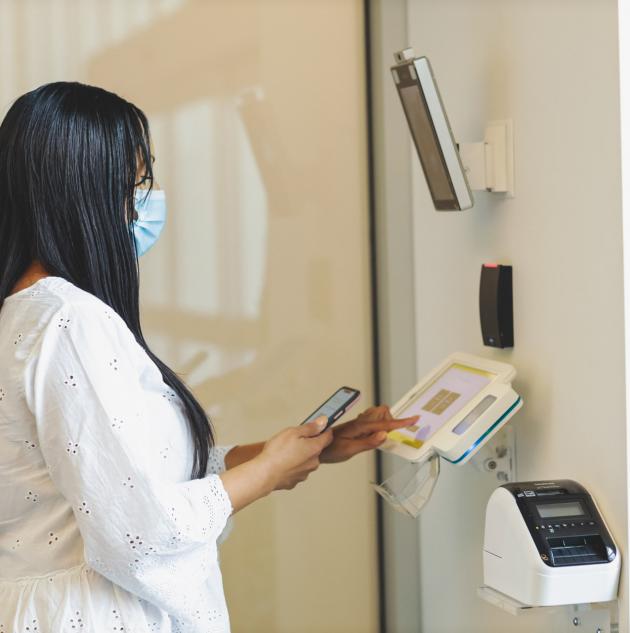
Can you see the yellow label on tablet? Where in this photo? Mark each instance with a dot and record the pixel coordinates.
(404, 439)
(474, 370)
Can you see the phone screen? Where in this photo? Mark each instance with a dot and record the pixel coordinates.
(336, 405)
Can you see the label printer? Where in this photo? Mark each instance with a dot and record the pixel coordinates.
(546, 544)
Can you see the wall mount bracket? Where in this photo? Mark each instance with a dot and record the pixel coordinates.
(489, 164)
(498, 456)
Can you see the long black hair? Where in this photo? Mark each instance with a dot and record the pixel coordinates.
(69, 157)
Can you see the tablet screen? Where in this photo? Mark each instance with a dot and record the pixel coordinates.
(439, 401)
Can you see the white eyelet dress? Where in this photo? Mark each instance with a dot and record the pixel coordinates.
(101, 527)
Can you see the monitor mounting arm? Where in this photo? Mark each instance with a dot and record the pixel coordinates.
(489, 164)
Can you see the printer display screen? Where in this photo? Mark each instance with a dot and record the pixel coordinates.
(569, 509)
(440, 400)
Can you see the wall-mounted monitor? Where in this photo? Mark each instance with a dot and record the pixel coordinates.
(431, 132)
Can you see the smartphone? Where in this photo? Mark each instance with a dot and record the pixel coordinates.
(335, 406)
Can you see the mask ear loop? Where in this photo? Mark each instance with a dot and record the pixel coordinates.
(409, 489)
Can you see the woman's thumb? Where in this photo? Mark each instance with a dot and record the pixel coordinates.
(315, 427)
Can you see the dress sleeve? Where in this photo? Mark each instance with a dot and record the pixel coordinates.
(216, 459)
(151, 536)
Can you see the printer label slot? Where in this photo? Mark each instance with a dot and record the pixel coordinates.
(577, 550)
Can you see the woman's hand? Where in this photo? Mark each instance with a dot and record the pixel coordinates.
(293, 454)
(364, 433)
(285, 460)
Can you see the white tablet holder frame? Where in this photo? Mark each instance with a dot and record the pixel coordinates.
(486, 441)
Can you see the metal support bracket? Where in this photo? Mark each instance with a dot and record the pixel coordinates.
(498, 456)
(599, 617)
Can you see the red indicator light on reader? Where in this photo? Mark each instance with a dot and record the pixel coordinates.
(491, 265)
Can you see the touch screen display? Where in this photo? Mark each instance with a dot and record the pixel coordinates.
(448, 394)
(571, 509)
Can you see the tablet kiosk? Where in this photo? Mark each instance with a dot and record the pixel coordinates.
(462, 403)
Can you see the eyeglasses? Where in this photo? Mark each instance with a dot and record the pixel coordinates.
(146, 176)
(143, 180)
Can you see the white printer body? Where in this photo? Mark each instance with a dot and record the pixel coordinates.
(546, 543)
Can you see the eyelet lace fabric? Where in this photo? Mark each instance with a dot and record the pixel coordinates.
(101, 528)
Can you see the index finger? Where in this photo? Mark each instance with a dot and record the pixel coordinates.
(389, 425)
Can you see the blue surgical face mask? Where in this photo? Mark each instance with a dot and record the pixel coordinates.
(151, 210)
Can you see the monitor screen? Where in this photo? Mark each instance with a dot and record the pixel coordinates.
(427, 144)
(439, 401)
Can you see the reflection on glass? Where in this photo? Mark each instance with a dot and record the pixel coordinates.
(259, 141)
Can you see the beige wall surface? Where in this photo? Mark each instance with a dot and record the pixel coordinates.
(258, 292)
(553, 68)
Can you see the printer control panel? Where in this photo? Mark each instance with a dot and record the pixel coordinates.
(563, 522)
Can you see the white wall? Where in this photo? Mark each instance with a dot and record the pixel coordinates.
(552, 66)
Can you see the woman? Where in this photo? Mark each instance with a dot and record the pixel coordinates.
(113, 494)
